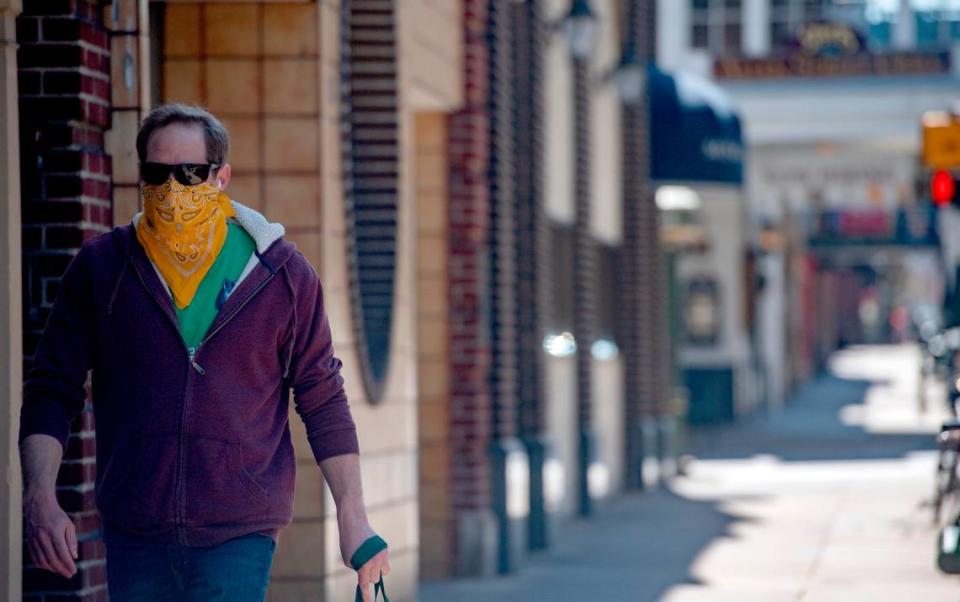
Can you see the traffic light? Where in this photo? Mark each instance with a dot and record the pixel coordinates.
(943, 187)
(939, 158)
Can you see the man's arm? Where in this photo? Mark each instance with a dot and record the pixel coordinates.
(342, 474)
(51, 535)
(40, 456)
(321, 402)
(53, 395)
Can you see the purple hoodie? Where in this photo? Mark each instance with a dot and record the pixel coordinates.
(192, 448)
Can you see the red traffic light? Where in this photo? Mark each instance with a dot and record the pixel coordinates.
(942, 187)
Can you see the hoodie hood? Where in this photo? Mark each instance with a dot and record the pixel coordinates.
(263, 232)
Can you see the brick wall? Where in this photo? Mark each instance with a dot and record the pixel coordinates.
(469, 214)
(64, 86)
(503, 222)
(585, 271)
(532, 255)
(646, 336)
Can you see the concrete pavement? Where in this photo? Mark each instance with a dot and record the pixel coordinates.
(826, 499)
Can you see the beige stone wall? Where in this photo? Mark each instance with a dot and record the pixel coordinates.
(10, 313)
(128, 21)
(606, 130)
(431, 71)
(560, 478)
(431, 43)
(607, 226)
(387, 430)
(430, 68)
(558, 153)
(608, 412)
(256, 67)
(436, 520)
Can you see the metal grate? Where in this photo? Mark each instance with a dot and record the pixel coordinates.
(371, 176)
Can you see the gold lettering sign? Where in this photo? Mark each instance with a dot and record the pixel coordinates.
(816, 37)
(839, 66)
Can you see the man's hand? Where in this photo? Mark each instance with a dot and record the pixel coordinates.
(354, 530)
(370, 573)
(342, 474)
(51, 535)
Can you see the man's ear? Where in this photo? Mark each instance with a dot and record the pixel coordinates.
(223, 176)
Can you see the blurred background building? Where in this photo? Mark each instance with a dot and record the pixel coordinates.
(830, 94)
(552, 233)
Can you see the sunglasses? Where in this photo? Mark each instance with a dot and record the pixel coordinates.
(188, 174)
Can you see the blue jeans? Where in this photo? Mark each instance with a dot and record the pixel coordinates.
(237, 570)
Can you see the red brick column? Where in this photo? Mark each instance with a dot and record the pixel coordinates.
(643, 299)
(471, 412)
(63, 65)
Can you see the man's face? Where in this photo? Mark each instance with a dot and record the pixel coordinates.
(184, 143)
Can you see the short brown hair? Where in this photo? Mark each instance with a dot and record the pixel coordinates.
(216, 136)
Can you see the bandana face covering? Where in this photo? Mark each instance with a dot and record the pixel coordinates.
(182, 230)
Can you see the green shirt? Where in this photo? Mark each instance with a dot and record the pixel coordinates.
(196, 318)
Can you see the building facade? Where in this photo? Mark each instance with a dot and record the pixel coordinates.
(830, 94)
(468, 182)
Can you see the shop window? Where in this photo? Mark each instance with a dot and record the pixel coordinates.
(701, 312)
(701, 36)
(716, 26)
(937, 29)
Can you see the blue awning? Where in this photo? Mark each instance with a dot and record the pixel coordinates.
(694, 131)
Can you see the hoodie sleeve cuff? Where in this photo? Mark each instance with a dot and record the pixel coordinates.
(332, 443)
(44, 419)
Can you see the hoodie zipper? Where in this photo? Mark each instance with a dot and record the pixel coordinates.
(191, 355)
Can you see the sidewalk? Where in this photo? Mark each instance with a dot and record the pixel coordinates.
(825, 500)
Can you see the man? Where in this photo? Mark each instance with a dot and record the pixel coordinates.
(196, 319)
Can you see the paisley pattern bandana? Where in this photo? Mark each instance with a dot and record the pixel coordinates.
(183, 229)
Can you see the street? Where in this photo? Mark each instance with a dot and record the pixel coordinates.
(826, 499)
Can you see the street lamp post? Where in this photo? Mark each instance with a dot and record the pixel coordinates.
(580, 27)
(630, 76)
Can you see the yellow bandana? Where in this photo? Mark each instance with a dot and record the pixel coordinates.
(182, 230)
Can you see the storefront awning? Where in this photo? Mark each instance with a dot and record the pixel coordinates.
(695, 131)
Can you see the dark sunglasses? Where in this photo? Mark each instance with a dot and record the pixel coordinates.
(188, 174)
